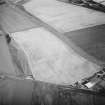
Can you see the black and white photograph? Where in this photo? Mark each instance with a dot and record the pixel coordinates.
(52, 52)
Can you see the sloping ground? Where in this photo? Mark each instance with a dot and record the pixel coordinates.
(49, 58)
(66, 18)
(46, 45)
(11, 20)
